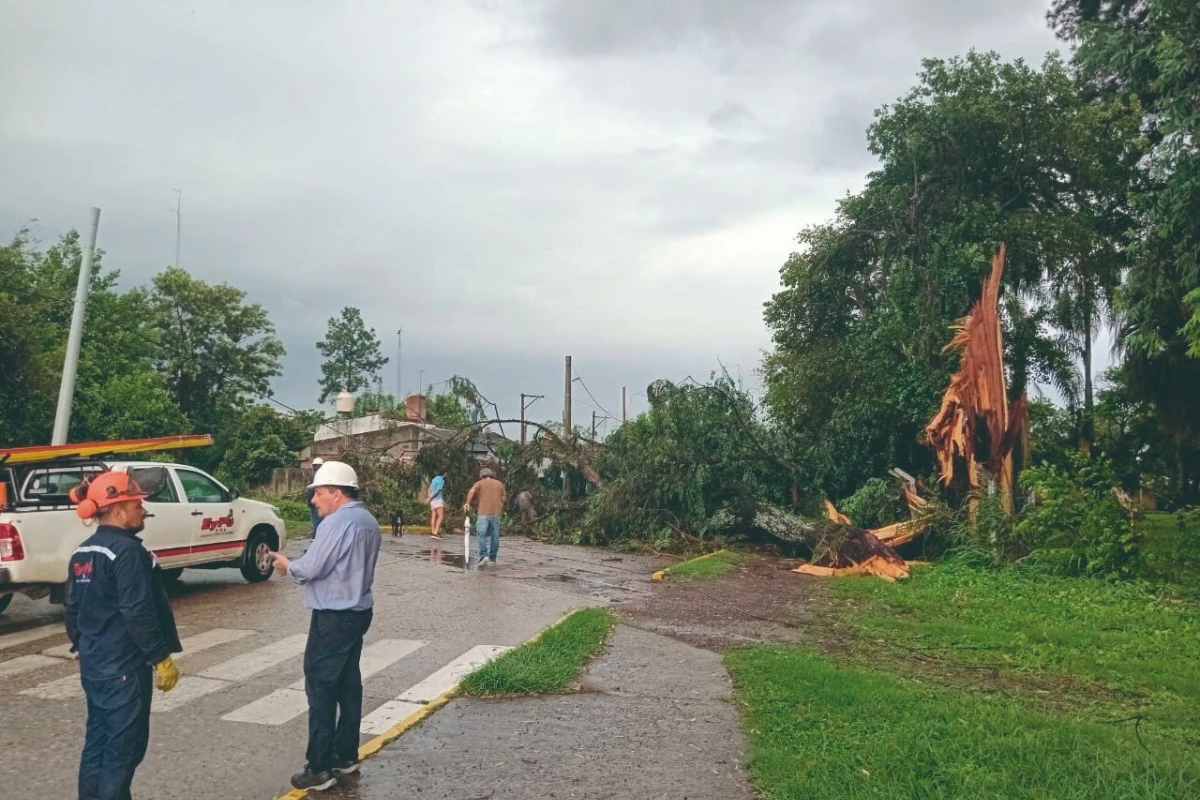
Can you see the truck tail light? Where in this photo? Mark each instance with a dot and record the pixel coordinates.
(11, 548)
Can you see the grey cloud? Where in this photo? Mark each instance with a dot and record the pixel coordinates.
(730, 116)
(620, 27)
(507, 181)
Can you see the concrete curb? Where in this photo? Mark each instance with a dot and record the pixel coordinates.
(661, 575)
(373, 746)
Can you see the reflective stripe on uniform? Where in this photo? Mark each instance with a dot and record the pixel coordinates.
(95, 548)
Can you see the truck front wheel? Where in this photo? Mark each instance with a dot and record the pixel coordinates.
(5, 599)
(256, 563)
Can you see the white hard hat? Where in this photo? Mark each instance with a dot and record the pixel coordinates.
(335, 473)
(318, 461)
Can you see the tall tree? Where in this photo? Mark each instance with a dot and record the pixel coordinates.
(1145, 51)
(980, 152)
(352, 355)
(118, 392)
(216, 351)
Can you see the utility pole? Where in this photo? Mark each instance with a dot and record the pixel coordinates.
(533, 398)
(178, 222)
(399, 367)
(593, 426)
(568, 430)
(624, 413)
(66, 389)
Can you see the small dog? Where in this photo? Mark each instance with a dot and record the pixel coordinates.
(397, 523)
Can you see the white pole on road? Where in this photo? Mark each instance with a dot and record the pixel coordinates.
(66, 390)
(467, 540)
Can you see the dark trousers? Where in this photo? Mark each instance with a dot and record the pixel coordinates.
(333, 683)
(118, 730)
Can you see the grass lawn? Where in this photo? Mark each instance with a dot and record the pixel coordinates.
(703, 567)
(1172, 550)
(547, 664)
(823, 732)
(972, 683)
(1113, 647)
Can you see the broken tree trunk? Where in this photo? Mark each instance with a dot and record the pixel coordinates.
(834, 545)
(975, 427)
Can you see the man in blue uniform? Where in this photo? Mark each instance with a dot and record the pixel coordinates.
(119, 620)
(337, 572)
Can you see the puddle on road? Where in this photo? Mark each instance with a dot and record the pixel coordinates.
(438, 558)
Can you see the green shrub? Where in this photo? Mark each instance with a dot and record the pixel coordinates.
(878, 502)
(1075, 525)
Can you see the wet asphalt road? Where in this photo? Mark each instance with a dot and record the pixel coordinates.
(429, 611)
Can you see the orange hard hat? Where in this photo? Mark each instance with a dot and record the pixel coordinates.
(106, 489)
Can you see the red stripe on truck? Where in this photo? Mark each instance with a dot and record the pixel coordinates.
(202, 548)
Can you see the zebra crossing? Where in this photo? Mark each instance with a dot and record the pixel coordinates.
(261, 653)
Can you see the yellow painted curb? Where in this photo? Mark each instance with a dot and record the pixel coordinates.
(661, 575)
(373, 746)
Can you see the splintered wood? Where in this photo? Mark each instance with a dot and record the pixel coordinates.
(975, 428)
(879, 567)
(973, 433)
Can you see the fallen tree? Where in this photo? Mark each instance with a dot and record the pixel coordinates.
(835, 546)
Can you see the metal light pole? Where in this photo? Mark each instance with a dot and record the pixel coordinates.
(178, 222)
(66, 389)
(399, 367)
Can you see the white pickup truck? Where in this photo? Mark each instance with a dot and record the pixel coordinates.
(195, 522)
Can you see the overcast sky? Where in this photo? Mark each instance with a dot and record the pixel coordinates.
(509, 180)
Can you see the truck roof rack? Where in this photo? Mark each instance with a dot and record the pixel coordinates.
(94, 450)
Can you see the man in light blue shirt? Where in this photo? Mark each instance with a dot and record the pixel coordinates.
(337, 572)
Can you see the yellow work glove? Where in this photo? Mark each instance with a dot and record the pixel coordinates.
(168, 674)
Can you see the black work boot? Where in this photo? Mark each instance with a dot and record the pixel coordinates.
(316, 781)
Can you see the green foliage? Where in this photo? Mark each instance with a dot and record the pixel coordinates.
(128, 405)
(1143, 52)
(376, 403)
(448, 411)
(1075, 526)
(1053, 434)
(699, 449)
(819, 730)
(118, 392)
(352, 355)
(980, 152)
(256, 443)
(1171, 553)
(878, 502)
(215, 350)
(549, 663)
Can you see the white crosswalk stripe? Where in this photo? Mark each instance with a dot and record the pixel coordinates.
(383, 718)
(227, 673)
(69, 687)
(32, 635)
(263, 658)
(273, 708)
(15, 666)
(284, 705)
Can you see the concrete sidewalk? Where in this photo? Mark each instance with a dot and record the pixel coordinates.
(653, 719)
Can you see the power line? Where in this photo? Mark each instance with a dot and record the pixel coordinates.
(589, 394)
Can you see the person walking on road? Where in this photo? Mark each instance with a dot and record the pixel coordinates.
(492, 498)
(119, 620)
(437, 504)
(313, 516)
(337, 572)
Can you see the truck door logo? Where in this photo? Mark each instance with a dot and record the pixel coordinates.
(218, 523)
